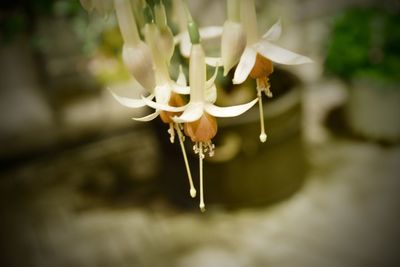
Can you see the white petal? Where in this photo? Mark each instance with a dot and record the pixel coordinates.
(280, 55)
(210, 94)
(211, 81)
(193, 112)
(232, 111)
(130, 102)
(183, 90)
(184, 44)
(274, 32)
(246, 63)
(214, 61)
(149, 117)
(181, 77)
(163, 106)
(163, 93)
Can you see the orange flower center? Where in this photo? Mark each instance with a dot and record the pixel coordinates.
(176, 100)
(202, 130)
(262, 68)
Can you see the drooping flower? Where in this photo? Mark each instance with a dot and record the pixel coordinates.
(166, 92)
(199, 114)
(256, 60)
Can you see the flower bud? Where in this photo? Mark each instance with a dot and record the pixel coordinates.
(139, 61)
(165, 38)
(233, 43)
(166, 43)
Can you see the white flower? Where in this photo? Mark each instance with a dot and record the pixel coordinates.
(166, 92)
(270, 51)
(164, 86)
(199, 113)
(201, 90)
(256, 60)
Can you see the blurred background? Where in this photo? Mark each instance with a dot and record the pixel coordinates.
(82, 184)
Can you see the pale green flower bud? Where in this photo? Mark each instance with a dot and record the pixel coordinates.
(138, 59)
(166, 38)
(233, 43)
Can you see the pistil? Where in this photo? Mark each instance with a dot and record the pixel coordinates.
(263, 135)
(201, 157)
(181, 138)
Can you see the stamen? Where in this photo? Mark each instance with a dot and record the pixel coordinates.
(181, 138)
(171, 133)
(263, 135)
(210, 148)
(201, 157)
(267, 89)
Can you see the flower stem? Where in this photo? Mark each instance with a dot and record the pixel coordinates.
(180, 137)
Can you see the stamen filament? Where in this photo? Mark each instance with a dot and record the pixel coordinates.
(201, 156)
(181, 139)
(263, 135)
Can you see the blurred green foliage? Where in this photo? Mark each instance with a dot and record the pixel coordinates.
(17, 17)
(365, 43)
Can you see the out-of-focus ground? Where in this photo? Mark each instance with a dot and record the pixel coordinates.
(77, 206)
(345, 215)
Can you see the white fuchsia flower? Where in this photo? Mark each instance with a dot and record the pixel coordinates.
(256, 60)
(199, 114)
(166, 92)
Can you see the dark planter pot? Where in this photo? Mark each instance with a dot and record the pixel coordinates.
(244, 172)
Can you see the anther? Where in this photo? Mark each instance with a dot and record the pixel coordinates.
(171, 133)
